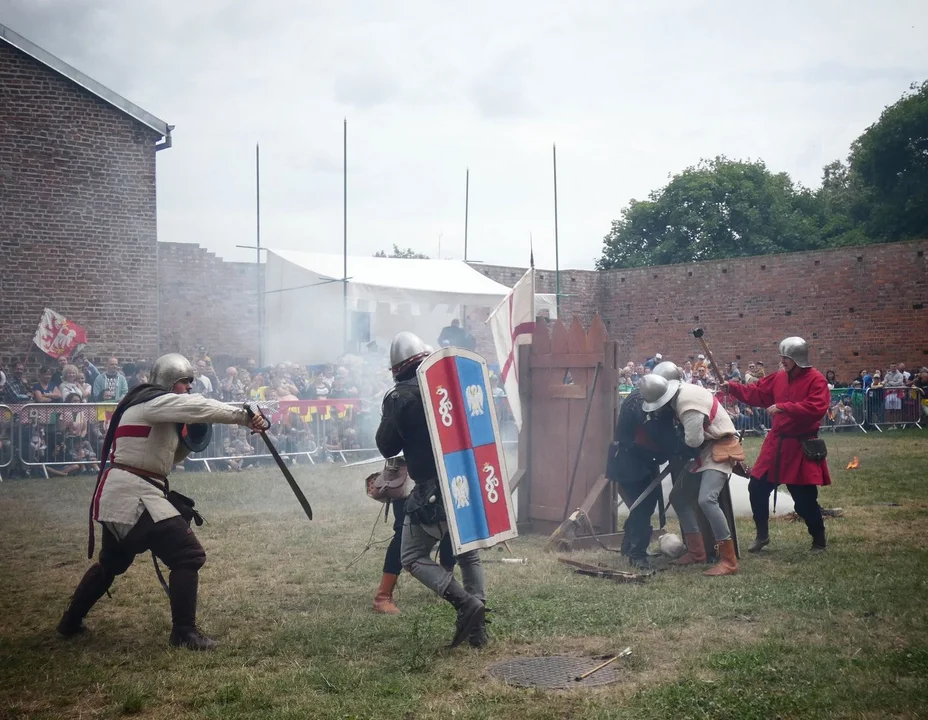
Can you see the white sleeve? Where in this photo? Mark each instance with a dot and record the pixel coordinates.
(693, 434)
(192, 409)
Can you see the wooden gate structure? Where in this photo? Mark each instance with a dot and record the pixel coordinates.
(556, 383)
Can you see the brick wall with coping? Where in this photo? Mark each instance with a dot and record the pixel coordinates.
(859, 307)
(206, 301)
(77, 214)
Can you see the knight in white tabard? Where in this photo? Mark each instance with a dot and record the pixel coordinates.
(715, 448)
(154, 427)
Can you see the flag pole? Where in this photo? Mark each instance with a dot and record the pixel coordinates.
(345, 236)
(258, 254)
(557, 266)
(466, 208)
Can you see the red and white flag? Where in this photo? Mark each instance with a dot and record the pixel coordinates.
(512, 324)
(57, 336)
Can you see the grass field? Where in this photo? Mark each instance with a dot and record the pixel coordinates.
(844, 634)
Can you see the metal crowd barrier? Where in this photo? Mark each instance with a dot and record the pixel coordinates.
(849, 409)
(6, 438)
(67, 438)
(894, 406)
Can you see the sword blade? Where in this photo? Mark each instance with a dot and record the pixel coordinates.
(649, 489)
(369, 461)
(286, 471)
(283, 468)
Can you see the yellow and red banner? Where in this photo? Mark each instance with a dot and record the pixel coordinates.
(310, 410)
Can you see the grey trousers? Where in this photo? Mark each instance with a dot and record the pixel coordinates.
(418, 541)
(704, 488)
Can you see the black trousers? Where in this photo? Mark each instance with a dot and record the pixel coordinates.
(638, 524)
(391, 562)
(173, 543)
(805, 499)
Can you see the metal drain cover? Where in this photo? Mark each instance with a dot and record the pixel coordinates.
(556, 671)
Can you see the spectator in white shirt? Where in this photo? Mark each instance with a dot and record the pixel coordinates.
(895, 376)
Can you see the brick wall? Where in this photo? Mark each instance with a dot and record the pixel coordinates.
(77, 214)
(858, 307)
(205, 301)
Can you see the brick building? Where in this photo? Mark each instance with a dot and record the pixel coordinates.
(77, 205)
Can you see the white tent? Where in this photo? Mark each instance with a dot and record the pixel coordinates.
(304, 296)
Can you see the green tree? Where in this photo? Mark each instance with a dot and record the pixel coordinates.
(838, 207)
(717, 209)
(890, 162)
(408, 253)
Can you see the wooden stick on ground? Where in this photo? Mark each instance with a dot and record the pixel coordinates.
(626, 651)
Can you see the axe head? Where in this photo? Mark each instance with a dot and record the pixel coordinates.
(698, 333)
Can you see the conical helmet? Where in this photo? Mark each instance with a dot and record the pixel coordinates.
(668, 371)
(797, 350)
(406, 350)
(169, 369)
(656, 391)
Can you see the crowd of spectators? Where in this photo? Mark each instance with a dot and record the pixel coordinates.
(65, 441)
(886, 403)
(69, 440)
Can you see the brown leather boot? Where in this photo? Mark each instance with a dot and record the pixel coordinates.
(728, 565)
(695, 551)
(383, 600)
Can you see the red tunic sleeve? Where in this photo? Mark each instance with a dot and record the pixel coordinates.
(759, 394)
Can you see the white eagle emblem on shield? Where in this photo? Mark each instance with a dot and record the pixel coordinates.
(475, 400)
(460, 491)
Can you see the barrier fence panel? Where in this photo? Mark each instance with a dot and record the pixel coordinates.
(894, 407)
(67, 438)
(6, 438)
(849, 409)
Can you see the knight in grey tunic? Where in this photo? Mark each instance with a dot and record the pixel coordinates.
(149, 433)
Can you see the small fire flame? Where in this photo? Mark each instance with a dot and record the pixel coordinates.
(854, 464)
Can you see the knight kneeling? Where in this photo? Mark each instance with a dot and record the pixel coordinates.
(713, 444)
(153, 428)
(404, 429)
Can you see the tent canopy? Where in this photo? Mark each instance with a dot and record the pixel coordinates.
(304, 308)
(401, 280)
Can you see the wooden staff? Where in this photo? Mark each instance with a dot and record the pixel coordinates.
(626, 651)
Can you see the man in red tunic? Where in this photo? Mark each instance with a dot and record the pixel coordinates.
(797, 399)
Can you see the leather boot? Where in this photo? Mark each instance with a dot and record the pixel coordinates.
(695, 551)
(478, 636)
(93, 585)
(383, 600)
(759, 544)
(819, 544)
(185, 633)
(471, 611)
(728, 565)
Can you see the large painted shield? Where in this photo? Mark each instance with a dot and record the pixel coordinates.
(455, 385)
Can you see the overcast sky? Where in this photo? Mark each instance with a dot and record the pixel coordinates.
(631, 92)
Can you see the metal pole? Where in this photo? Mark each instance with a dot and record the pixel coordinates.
(258, 254)
(345, 237)
(557, 267)
(466, 208)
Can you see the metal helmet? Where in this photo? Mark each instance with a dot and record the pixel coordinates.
(169, 369)
(406, 349)
(797, 350)
(668, 371)
(656, 391)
